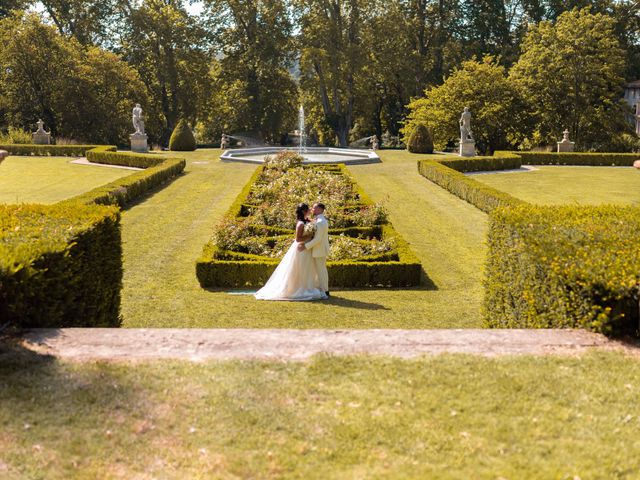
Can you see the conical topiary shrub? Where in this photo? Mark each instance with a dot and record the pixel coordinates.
(420, 140)
(182, 139)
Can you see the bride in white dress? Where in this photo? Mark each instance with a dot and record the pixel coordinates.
(295, 277)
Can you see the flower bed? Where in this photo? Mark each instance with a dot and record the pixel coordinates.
(259, 228)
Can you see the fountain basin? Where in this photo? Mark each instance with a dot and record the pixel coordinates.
(312, 155)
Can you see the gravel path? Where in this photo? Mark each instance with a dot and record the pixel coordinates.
(282, 344)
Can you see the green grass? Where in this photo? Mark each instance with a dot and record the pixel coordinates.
(50, 179)
(452, 417)
(164, 235)
(553, 185)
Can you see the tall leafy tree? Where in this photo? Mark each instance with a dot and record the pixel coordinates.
(81, 93)
(332, 58)
(571, 75)
(499, 119)
(253, 86)
(171, 51)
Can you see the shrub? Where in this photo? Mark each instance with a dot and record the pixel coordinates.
(49, 150)
(558, 267)
(60, 265)
(420, 140)
(16, 136)
(182, 139)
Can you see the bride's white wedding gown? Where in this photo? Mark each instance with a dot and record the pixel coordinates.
(294, 278)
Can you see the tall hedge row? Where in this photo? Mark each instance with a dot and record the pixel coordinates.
(557, 267)
(60, 265)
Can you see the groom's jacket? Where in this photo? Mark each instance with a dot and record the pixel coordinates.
(319, 244)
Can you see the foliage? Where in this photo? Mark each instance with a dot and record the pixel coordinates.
(60, 266)
(170, 49)
(49, 150)
(571, 74)
(282, 161)
(182, 139)
(253, 90)
(498, 117)
(558, 267)
(15, 136)
(420, 140)
(81, 93)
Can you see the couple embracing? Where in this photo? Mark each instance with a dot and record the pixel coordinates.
(302, 273)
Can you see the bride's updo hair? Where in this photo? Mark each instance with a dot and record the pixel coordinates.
(301, 211)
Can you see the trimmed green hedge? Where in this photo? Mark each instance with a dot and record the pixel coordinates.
(399, 268)
(482, 196)
(500, 161)
(50, 150)
(578, 158)
(60, 265)
(568, 266)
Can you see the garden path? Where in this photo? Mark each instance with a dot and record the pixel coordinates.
(296, 345)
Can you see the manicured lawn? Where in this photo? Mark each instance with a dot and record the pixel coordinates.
(439, 417)
(164, 235)
(50, 179)
(551, 185)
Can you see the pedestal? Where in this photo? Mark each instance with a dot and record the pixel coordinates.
(139, 142)
(565, 146)
(41, 138)
(468, 149)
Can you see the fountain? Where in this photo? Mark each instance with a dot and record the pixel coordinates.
(302, 147)
(311, 154)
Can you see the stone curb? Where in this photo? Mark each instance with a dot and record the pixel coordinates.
(296, 345)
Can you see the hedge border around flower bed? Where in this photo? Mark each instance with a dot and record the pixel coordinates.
(528, 286)
(253, 270)
(50, 283)
(50, 150)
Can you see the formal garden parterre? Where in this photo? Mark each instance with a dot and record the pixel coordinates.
(366, 250)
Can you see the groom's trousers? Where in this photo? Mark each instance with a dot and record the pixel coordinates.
(323, 275)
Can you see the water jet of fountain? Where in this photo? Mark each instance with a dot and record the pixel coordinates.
(302, 146)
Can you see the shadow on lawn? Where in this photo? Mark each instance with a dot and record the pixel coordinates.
(348, 303)
(54, 390)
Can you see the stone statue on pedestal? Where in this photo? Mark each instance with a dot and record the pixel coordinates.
(41, 136)
(138, 138)
(467, 142)
(565, 145)
(224, 141)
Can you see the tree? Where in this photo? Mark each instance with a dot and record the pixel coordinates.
(252, 83)
(332, 58)
(81, 93)
(171, 51)
(571, 74)
(7, 5)
(182, 139)
(499, 119)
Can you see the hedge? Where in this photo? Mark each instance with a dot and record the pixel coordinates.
(557, 267)
(400, 268)
(578, 158)
(60, 265)
(50, 150)
(482, 196)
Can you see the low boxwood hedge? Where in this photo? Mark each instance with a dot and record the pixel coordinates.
(50, 150)
(578, 158)
(398, 268)
(568, 266)
(482, 196)
(60, 265)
